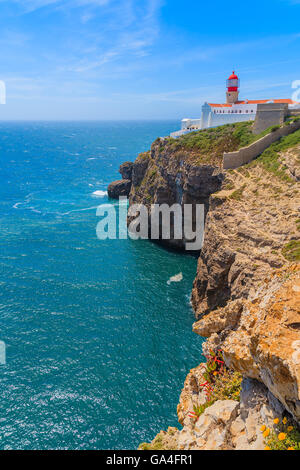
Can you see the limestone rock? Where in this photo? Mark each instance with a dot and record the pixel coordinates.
(192, 395)
(223, 411)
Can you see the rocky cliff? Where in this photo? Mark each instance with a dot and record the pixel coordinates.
(246, 294)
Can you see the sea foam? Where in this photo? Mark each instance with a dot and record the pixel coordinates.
(177, 278)
(99, 193)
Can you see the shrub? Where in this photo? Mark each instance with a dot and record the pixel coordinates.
(291, 251)
(221, 383)
(269, 159)
(285, 436)
(238, 194)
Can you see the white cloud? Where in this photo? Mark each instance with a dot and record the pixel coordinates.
(33, 5)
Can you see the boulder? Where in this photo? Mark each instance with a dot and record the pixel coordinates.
(119, 188)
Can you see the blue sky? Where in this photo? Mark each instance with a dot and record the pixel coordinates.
(146, 59)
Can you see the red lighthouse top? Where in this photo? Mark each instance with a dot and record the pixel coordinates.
(233, 82)
(233, 76)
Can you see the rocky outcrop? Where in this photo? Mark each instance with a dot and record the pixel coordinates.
(122, 187)
(119, 188)
(226, 425)
(166, 176)
(126, 170)
(264, 340)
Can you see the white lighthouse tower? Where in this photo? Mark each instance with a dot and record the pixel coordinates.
(233, 85)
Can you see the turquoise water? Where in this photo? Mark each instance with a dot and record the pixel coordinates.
(98, 344)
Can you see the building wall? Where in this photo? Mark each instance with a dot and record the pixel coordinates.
(269, 114)
(189, 123)
(245, 155)
(215, 120)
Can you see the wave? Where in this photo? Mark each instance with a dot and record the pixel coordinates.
(77, 210)
(99, 193)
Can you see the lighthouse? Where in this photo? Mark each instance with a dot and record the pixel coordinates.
(233, 84)
(234, 110)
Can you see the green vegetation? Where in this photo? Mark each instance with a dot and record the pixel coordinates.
(269, 159)
(163, 441)
(221, 383)
(237, 195)
(229, 186)
(143, 157)
(156, 445)
(209, 145)
(292, 119)
(291, 251)
(227, 386)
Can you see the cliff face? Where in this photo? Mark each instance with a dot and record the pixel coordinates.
(246, 294)
(166, 176)
(250, 222)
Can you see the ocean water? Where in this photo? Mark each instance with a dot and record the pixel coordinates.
(98, 342)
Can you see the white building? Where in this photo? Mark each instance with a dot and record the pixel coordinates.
(233, 110)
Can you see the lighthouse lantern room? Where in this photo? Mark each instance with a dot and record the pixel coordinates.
(233, 84)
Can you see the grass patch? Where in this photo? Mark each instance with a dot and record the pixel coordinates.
(163, 441)
(156, 445)
(209, 145)
(237, 195)
(269, 159)
(291, 251)
(229, 186)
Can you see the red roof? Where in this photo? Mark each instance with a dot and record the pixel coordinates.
(284, 101)
(287, 101)
(233, 76)
(220, 105)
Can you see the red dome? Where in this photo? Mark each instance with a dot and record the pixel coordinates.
(233, 76)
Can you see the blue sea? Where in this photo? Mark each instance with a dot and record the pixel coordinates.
(98, 343)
